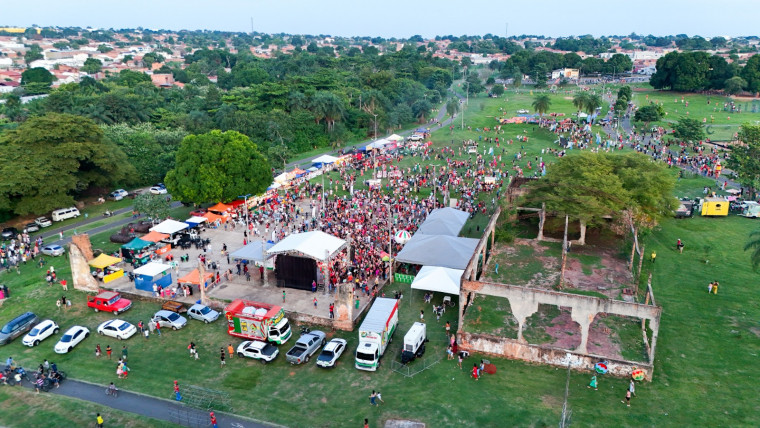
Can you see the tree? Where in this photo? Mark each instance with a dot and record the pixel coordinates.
(754, 245)
(150, 150)
(104, 49)
(734, 85)
(649, 113)
(580, 100)
(751, 73)
(33, 54)
(279, 154)
(48, 160)
(154, 206)
(498, 90)
(37, 75)
(420, 109)
(452, 107)
(688, 129)
(625, 93)
(92, 65)
(745, 158)
(620, 106)
(217, 166)
(541, 104)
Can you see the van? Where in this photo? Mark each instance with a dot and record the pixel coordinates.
(18, 326)
(414, 343)
(65, 213)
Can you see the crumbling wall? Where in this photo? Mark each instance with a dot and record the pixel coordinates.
(80, 271)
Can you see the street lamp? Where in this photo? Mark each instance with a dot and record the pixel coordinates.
(375, 114)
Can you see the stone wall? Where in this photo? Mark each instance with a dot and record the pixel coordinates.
(80, 271)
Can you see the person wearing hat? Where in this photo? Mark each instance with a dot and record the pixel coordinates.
(213, 420)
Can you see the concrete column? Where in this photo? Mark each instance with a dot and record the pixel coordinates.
(654, 324)
(522, 309)
(584, 318)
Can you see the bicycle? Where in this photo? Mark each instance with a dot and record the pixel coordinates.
(112, 392)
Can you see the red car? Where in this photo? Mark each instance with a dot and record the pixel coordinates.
(198, 213)
(109, 301)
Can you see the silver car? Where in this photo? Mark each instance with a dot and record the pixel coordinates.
(169, 319)
(202, 313)
(53, 250)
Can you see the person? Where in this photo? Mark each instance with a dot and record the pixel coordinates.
(422, 315)
(231, 350)
(213, 420)
(481, 367)
(332, 310)
(653, 256)
(459, 361)
(158, 329)
(46, 365)
(111, 389)
(593, 383)
(38, 383)
(372, 398)
(10, 364)
(97, 350)
(475, 371)
(449, 353)
(141, 326)
(55, 377)
(124, 352)
(99, 420)
(380, 398)
(710, 287)
(715, 288)
(632, 388)
(448, 329)
(366, 423)
(283, 296)
(108, 351)
(315, 302)
(627, 398)
(221, 357)
(679, 246)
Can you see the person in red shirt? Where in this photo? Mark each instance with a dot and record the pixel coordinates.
(213, 420)
(475, 371)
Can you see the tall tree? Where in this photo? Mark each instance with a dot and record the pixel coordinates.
(541, 104)
(154, 206)
(218, 166)
(745, 158)
(48, 160)
(688, 129)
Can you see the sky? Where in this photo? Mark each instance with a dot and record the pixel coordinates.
(396, 18)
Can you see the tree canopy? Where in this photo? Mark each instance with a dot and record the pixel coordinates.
(218, 166)
(48, 160)
(745, 158)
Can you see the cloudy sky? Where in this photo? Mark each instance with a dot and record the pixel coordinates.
(396, 18)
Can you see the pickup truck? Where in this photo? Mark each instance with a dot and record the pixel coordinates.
(305, 347)
(109, 301)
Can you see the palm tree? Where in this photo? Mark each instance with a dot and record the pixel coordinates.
(592, 103)
(754, 245)
(580, 100)
(541, 104)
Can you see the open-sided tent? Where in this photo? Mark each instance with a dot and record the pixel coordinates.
(438, 250)
(297, 172)
(282, 178)
(169, 226)
(438, 279)
(315, 244)
(211, 217)
(106, 271)
(194, 221)
(444, 221)
(135, 251)
(103, 261)
(194, 278)
(254, 251)
(152, 273)
(324, 160)
(395, 137)
(154, 236)
(220, 208)
(136, 244)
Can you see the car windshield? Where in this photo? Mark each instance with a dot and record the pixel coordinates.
(66, 338)
(205, 310)
(7, 329)
(366, 357)
(173, 317)
(34, 332)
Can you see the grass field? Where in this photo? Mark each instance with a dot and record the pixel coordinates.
(705, 369)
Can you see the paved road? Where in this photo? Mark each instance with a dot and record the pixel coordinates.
(151, 407)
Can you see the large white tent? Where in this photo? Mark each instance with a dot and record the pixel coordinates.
(315, 244)
(395, 137)
(169, 226)
(152, 269)
(324, 159)
(438, 279)
(438, 250)
(255, 251)
(444, 221)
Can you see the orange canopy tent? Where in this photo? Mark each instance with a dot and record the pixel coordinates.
(154, 237)
(214, 217)
(194, 278)
(220, 208)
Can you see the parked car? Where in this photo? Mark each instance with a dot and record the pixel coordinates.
(18, 326)
(71, 338)
(118, 195)
(169, 319)
(258, 350)
(202, 313)
(65, 213)
(43, 222)
(54, 250)
(9, 233)
(198, 213)
(305, 347)
(40, 332)
(331, 352)
(109, 301)
(117, 328)
(155, 190)
(31, 227)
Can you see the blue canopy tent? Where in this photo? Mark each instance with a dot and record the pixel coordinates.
(153, 273)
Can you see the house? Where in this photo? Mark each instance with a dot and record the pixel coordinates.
(565, 73)
(162, 80)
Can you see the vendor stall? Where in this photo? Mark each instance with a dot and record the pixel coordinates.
(196, 221)
(136, 252)
(159, 239)
(105, 268)
(153, 273)
(194, 278)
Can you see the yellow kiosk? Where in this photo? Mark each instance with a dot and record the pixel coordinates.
(715, 206)
(105, 268)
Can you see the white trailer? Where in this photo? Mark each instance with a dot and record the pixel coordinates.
(376, 333)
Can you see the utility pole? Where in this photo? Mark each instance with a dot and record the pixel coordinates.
(564, 257)
(202, 281)
(390, 244)
(375, 114)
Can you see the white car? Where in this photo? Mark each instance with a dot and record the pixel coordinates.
(40, 332)
(118, 329)
(169, 319)
(43, 222)
(53, 250)
(119, 194)
(71, 338)
(155, 190)
(258, 350)
(331, 352)
(202, 313)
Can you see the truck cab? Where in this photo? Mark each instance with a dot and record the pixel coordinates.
(279, 333)
(109, 301)
(367, 356)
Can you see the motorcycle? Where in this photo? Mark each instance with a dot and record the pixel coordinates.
(107, 213)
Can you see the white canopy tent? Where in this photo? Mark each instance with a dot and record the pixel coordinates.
(438, 279)
(170, 226)
(324, 159)
(255, 251)
(438, 250)
(282, 178)
(196, 219)
(444, 221)
(395, 137)
(152, 269)
(315, 244)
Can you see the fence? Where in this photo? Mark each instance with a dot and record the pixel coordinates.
(187, 417)
(415, 367)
